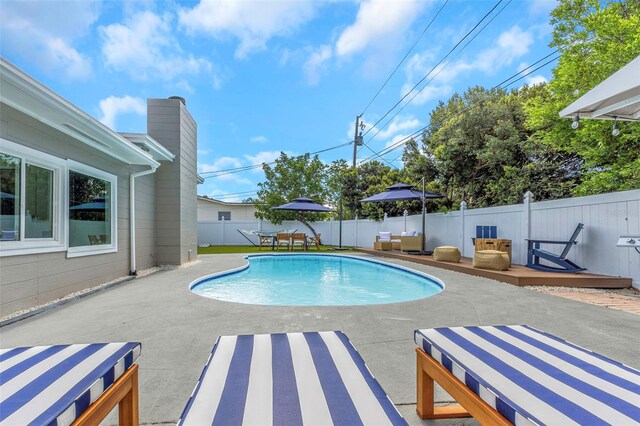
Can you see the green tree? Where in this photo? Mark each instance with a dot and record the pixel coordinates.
(484, 154)
(595, 40)
(289, 178)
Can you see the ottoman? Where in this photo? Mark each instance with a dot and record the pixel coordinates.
(447, 254)
(491, 259)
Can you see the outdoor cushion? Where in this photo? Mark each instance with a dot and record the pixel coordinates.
(384, 236)
(532, 377)
(491, 259)
(288, 379)
(447, 254)
(403, 234)
(44, 385)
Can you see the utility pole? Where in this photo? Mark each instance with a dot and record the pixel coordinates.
(357, 141)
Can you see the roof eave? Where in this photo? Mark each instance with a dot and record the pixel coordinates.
(20, 91)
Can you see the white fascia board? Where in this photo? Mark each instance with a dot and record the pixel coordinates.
(155, 148)
(20, 91)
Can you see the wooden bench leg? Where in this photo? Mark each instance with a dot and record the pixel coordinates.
(470, 403)
(128, 407)
(426, 396)
(124, 393)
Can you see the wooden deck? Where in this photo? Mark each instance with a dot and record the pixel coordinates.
(516, 275)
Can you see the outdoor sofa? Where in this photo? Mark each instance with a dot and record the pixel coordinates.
(65, 384)
(288, 379)
(503, 375)
(406, 241)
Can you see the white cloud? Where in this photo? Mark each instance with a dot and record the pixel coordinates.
(253, 23)
(259, 139)
(510, 45)
(316, 62)
(542, 7)
(536, 79)
(398, 124)
(113, 106)
(144, 46)
(224, 163)
(376, 21)
(263, 157)
(33, 30)
(184, 85)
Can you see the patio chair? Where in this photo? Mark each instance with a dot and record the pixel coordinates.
(298, 238)
(266, 240)
(314, 240)
(485, 232)
(505, 375)
(535, 253)
(66, 384)
(288, 379)
(283, 239)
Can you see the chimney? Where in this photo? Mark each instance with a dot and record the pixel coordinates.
(169, 123)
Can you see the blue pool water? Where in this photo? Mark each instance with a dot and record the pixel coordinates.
(317, 280)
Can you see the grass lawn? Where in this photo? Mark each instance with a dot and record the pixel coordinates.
(252, 249)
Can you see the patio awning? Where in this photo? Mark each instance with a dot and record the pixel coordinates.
(616, 97)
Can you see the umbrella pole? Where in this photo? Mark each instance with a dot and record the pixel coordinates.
(424, 209)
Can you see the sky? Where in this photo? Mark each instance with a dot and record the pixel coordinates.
(261, 77)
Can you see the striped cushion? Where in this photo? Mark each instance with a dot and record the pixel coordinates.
(44, 385)
(532, 377)
(288, 379)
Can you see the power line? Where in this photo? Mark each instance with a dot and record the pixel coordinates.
(223, 172)
(440, 70)
(520, 74)
(405, 57)
(434, 67)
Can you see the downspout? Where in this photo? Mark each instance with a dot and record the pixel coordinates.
(132, 215)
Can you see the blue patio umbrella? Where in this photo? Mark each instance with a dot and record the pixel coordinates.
(93, 206)
(304, 204)
(401, 192)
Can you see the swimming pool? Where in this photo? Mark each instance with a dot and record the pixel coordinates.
(316, 280)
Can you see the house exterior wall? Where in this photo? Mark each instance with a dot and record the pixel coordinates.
(208, 210)
(145, 222)
(33, 279)
(169, 123)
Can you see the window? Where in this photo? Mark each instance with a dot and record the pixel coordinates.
(224, 215)
(10, 167)
(30, 200)
(92, 222)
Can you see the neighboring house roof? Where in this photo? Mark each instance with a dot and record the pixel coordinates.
(25, 94)
(150, 145)
(617, 97)
(214, 201)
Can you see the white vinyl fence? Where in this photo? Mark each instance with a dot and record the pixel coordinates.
(606, 217)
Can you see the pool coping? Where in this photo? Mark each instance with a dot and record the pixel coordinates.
(436, 281)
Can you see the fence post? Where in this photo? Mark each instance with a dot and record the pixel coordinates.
(224, 240)
(528, 199)
(384, 220)
(330, 231)
(463, 207)
(405, 214)
(355, 242)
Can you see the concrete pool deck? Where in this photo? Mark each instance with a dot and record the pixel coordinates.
(178, 328)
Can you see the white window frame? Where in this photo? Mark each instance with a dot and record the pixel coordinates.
(90, 250)
(58, 241)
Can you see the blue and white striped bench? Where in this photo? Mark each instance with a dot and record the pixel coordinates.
(57, 385)
(288, 379)
(523, 376)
